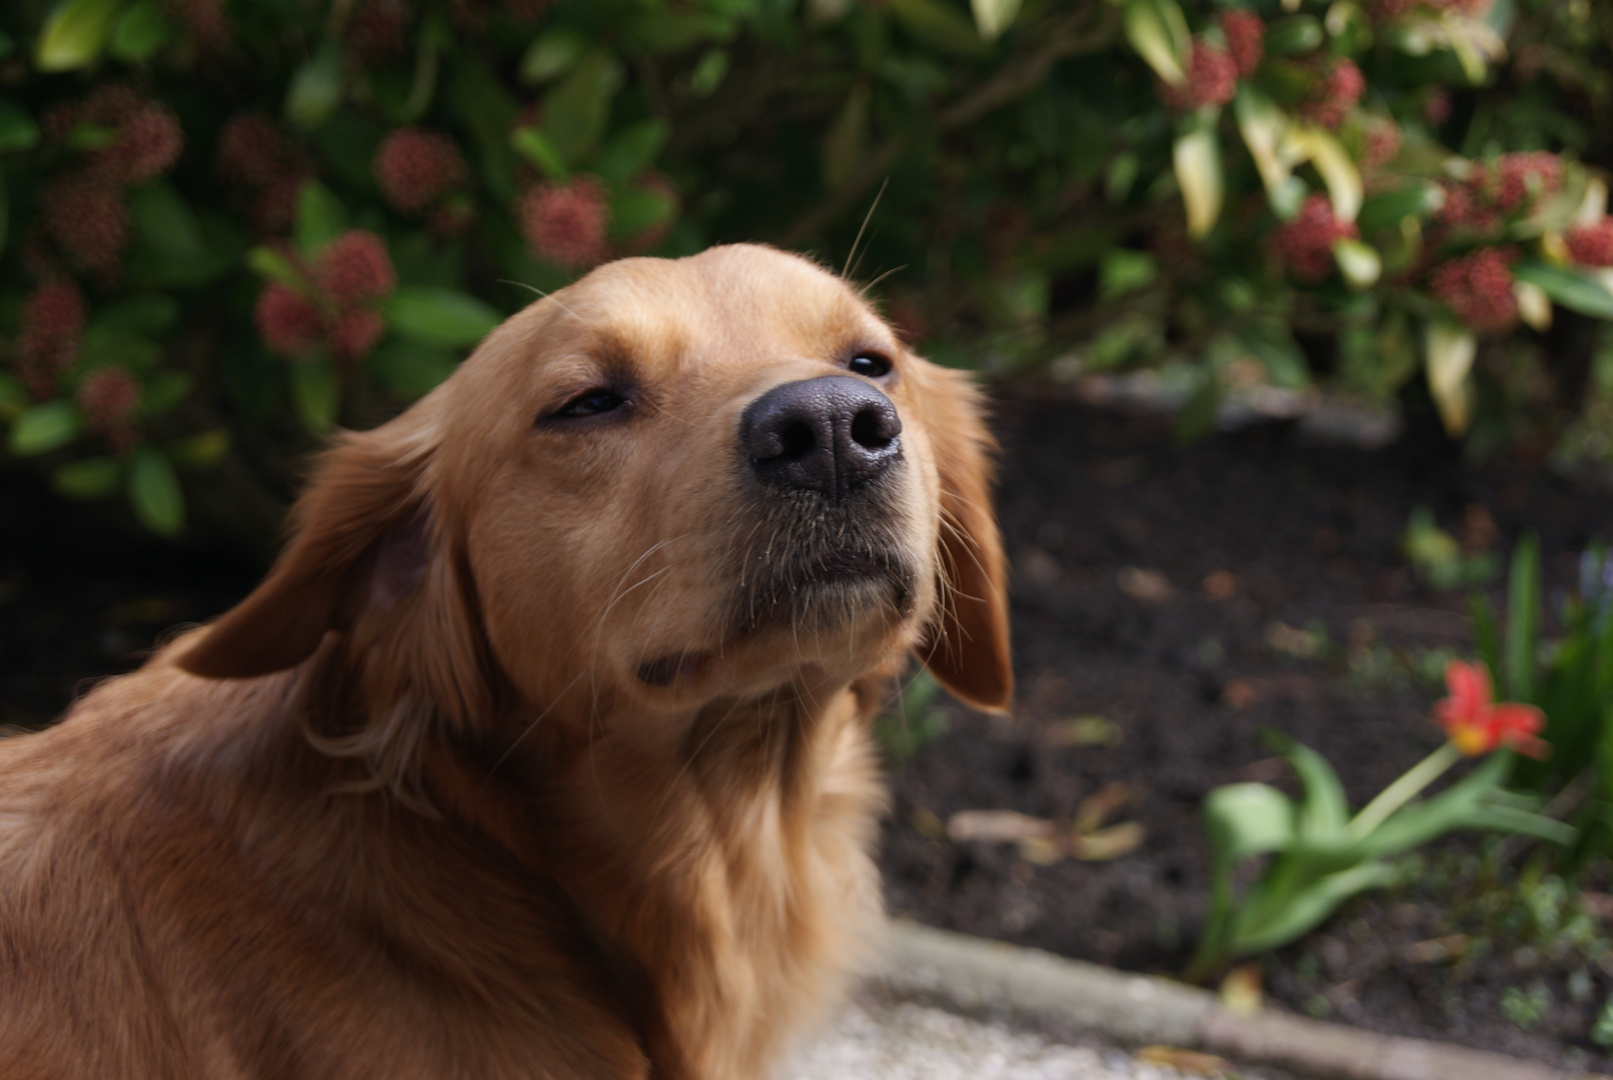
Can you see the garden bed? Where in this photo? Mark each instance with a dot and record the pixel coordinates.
(1171, 603)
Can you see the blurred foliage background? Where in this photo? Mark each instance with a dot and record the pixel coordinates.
(230, 225)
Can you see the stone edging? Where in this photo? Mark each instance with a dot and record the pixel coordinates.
(977, 977)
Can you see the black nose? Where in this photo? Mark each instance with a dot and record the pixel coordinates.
(830, 435)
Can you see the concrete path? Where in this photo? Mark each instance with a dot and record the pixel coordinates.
(874, 1040)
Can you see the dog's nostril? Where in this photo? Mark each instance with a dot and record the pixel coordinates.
(871, 428)
(796, 441)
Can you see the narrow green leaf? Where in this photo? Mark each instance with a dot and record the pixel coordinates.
(1294, 35)
(14, 400)
(92, 478)
(321, 217)
(634, 209)
(1157, 29)
(165, 222)
(937, 25)
(631, 150)
(46, 427)
(316, 88)
(408, 368)
(577, 110)
(436, 316)
(708, 73)
(847, 138)
(74, 34)
(140, 32)
(539, 149)
(1523, 621)
(149, 314)
(271, 265)
(163, 391)
(552, 55)
(1358, 262)
(316, 393)
(1305, 910)
(1387, 210)
(1197, 157)
(992, 17)
(1245, 820)
(204, 448)
(1573, 289)
(1486, 638)
(1324, 812)
(1449, 351)
(154, 491)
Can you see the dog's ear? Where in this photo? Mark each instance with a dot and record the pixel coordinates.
(967, 647)
(369, 558)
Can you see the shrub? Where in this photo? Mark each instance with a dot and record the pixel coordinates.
(1278, 192)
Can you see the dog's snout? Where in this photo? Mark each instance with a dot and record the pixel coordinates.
(830, 435)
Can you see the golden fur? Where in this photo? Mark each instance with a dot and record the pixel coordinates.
(524, 760)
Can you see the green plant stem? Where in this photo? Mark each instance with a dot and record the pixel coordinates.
(1397, 794)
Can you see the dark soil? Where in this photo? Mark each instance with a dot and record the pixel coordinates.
(1259, 547)
(1259, 550)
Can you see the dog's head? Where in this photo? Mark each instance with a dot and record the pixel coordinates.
(671, 482)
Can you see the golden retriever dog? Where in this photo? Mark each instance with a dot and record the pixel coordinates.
(543, 750)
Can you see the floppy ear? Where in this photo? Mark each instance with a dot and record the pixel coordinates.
(967, 647)
(366, 558)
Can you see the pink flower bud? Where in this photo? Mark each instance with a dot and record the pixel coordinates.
(1479, 289)
(52, 331)
(85, 215)
(416, 168)
(1212, 79)
(1336, 94)
(109, 398)
(565, 223)
(1305, 244)
(287, 322)
(354, 268)
(1246, 40)
(1592, 245)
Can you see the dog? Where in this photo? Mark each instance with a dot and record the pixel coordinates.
(544, 748)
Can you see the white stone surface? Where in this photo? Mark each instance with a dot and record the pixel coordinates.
(904, 1041)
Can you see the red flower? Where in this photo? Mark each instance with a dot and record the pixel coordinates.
(287, 322)
(379, 30)
(1336, 94)
(565, 223)
(1592, 245)
(1212, 79)
(109, 398)
(355, 334)
(149, 142)
(1475, 724)
(1479, 289)
(1306, 243)
(52, 330)
(415, 168)
(1519, 177)
(86, 216)
(355, 267)
(1246, 40)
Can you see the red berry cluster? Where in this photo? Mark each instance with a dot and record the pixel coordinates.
(379, 30)
(565, 223)
(1305, 244)
(205, 19)
(1335, 94)
(1592, 245)
(1246, 40)
(1380, 144)
(1507, 186)
(109, 398)
(335, 306)
(1212, 79)
(1385, 10)
(136, 140)
(1478, 287)
(267, 164)
(52, 331)
(416, 169)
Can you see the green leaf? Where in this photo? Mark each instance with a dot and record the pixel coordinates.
(107, 347)
(1197, 157)
(576, 111)
(1245, 820)
(92, 478)
(154, 491)
(316, 393)
(1263, 125)
(163, 391)
(17, 129)
(634, 209)
(631, 150)
(316, 88)
(321, 217)
(408, 368)
(1523, 621)
(436, 316)
(1450, 348)
(1386, 211)
(992, 17)
(937, 25)
(1573, 289)
(270, 265)
(204, 448)
(1307, 142)
(1157, 29)
(46, 427)
(74, 34)
(1293, 35)
(5, 213)
(14, 400)
(1486, 640)
(552, 55)
(539, 149)
(164, 222)
(1305, 910)
(141, 31)
(708, 73)
(1124, 270)
(151, 314)
(846, 141)
(1324, 813)
(1358, 262)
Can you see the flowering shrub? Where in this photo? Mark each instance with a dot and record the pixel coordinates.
(261, 219)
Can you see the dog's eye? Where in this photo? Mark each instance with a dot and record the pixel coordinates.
(871, 365)
(592, 403)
